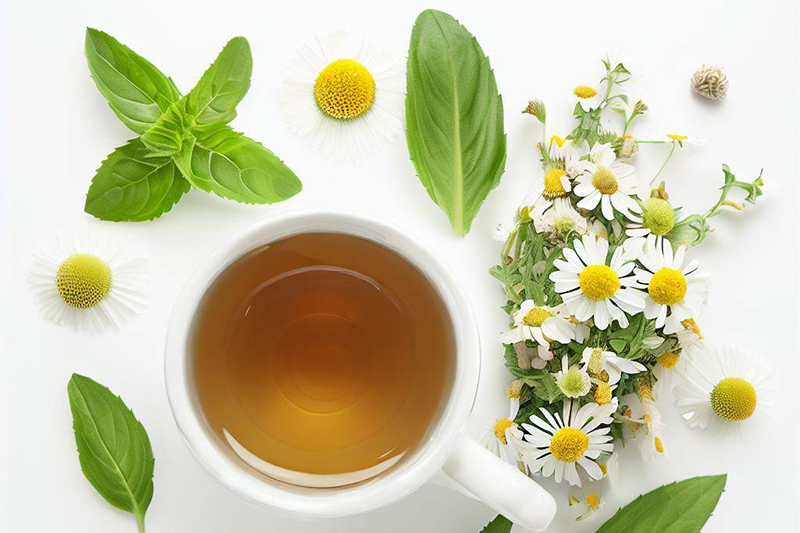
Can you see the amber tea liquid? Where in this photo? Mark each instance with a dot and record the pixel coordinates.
(322, 359)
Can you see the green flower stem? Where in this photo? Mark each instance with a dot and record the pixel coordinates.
(669, 156)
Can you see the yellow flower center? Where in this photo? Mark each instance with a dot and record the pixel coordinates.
(593, 501)
(584, 91)
(659, 446)
(645, 392)
(598, 282)
(344, 89)
(658, 216)
(553, 188)
(602, 395)
(667, 287)
(734, 399)
(675, 137)
(514, 389)
(500, 428)
(536, 317)
(605, 181)
(569, 444)
(669, 360)
(83, 280)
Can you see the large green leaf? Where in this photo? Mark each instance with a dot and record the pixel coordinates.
(165, 137)
(215, 97)
(131, 186)
(454, 117)
(234, 166)
(136, 90)
(682, 507)
(114, 449)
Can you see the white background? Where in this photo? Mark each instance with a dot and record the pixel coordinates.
(57, 130)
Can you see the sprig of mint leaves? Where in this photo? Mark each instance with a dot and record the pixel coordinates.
(681, 507)
(183, 141)
(113, 447)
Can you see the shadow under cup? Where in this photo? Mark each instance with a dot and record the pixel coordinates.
(322, 360)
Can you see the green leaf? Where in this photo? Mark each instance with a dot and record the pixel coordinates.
(136, 91)
(236, 167)
(113, 447)
(215, 97)
(131, 186)
(454, 117)
(682, 507)
(165, 137)
(500, 524)
(546, 388)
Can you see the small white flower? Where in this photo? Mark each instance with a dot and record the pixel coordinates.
(588, 97)
(538, 323)
(573, 381)
(722, 389)
(501, 436)
(346, 92)
(608, 182)
(591, 286)
(683, 139)
(657, 218)
(89, 283)
(650, 438)
(569, 156)
(593, 504)
(579, 436)
(596, 361)
(561, 219)
(674, 292)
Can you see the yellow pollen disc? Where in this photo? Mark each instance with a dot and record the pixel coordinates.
(553, 188)
(584, 91)
(603, 468)
(593, 501)
(734, 399)
(669, 360)
(645, 391)
(598, 282)
(602, 395)
(500, 428)
(344, 89)
(558, 140)
(536, 317)
(83, 280)
(677, 137)
(569, 444)
(605, 181)
(658, 445)
(595, 365)
(667, 287)
(658, 216)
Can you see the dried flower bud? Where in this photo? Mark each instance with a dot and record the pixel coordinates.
(710, 82)
(628, 148)
(537, 109)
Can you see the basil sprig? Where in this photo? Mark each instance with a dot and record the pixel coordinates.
(184, 141)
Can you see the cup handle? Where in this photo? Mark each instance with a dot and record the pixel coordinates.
(500, 485)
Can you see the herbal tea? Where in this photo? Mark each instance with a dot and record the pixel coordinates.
(322, 359)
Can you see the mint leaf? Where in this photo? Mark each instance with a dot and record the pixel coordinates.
(500, 524)
(236, 167)
(215, 97)
(165, 137)
(113, 447)
(682, 507)
(136, 91)
(130, 186)
(454, 117)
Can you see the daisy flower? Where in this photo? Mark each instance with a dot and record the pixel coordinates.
(674, 292)
(608, 182)
(601, 362)
(501, 436)
(657, 218)
(593, 504)
(561, 220)
(683, 139)
(720, 389)
(651, 443)
(579, 436)
(346, 93)
(89, 283)
(588, 97)
(593, 287)
(538, 323)
(573, 381)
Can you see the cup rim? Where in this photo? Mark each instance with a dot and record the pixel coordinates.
(370, 494)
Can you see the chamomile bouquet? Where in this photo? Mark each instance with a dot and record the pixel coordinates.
(604, 298)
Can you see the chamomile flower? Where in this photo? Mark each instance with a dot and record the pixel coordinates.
(578, 437)
(89, 283)
(588, 97)
(683, 139)
(599, 362)
(674, 292)
(650, 437)
(561, 220)
(573, 381)
(569, 156)
(593, 504)
(657, 218)
(538, 323)
(346, 93)
(501, 436)
(721, 389)
(593, 287)
(608, 182)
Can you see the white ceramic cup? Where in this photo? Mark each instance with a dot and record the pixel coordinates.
(497, 483)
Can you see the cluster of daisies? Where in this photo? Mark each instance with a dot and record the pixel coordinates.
(604, 301)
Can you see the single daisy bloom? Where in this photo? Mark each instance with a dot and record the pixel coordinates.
(608, 182)
(657, 218)
(683, 139)
(502, 434)
(599, 362)
(346, 93)
(89, 283)
(561, 220)
(651, 442)
(538, 323)
(593, 287)
(553, 184)
(579, 436)
(588, 97)
(674, 292)
(593, 504)
(721, 389)
(573, 381)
